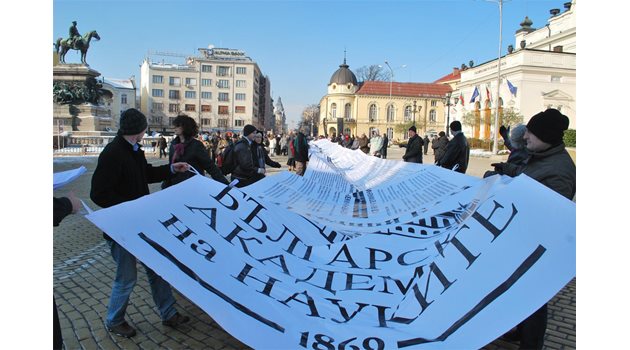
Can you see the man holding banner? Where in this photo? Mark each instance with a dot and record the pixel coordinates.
(122, 174)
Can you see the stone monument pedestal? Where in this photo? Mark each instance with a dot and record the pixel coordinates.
(79, 116)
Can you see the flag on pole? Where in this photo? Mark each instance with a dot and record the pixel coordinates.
(461, 98)
(512, 88)
(474, 95)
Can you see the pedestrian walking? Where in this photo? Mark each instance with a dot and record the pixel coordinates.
(385, 145)
(300, 146)
(162, 146)
(426, 144)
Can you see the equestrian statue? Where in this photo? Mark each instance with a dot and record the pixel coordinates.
(75, 42)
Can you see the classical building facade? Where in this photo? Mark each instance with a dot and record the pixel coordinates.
(355, 108)
(220, 88)
(540, 67)
(118, 96)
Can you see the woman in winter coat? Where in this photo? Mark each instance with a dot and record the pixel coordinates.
(186, 148)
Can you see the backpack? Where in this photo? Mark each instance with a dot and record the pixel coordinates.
(225, 160)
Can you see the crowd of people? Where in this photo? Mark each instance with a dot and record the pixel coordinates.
(123, 174)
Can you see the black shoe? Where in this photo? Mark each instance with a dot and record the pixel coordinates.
(123, 330)
(176, 320)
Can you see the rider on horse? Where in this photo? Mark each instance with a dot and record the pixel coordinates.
(74, 34)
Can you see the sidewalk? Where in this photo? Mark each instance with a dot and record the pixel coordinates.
(83, 273)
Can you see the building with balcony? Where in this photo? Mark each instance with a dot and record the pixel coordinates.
(540, 67)
(220, 88)
(355, 108)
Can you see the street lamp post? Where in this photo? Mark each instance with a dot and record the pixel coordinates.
(414, 113)
(495, 144)
(448, 112)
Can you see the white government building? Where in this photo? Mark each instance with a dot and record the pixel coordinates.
(541, 65)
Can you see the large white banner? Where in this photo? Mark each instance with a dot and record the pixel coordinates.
(458, 274)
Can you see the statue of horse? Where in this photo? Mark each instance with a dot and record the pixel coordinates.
(81, 44)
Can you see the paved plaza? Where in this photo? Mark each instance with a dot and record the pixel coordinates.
(84, 269)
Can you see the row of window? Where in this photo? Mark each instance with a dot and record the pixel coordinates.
(176, 108)
(204, 121)
(206, 95)
(391, 113)
(221, 83)
(222, 71)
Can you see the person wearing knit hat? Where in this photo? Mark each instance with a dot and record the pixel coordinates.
(457, 151)
(550, 164)
(248, 129)
(246, 172)
(123, 174)
(132, 122)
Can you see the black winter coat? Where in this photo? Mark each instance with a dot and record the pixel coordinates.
(457, 152)
(245, 168)
(197, 156)
(413, 153)
(261, 158)
(62, 207)
(301, 148)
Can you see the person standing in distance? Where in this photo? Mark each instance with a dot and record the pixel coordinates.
(123, 174)
(457, 150)
(413, 153)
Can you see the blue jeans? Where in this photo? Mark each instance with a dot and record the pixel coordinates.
(126, 276)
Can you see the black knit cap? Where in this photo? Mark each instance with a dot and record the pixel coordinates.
(413, 128)
(549, 126)
(456, 125)
(132, 122)
(248, 129)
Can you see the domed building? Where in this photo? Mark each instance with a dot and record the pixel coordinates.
(355, 108)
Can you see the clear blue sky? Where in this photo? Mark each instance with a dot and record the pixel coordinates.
(299, 44)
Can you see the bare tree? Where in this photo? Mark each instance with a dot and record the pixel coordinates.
(372, 73)
(310, 117)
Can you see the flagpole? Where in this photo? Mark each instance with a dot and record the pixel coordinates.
(495, 144)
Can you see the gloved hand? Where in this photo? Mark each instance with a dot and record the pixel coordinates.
(498, 167)
(504, 132)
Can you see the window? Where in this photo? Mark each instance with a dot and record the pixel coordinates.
(189, 107)
(222, 123)
(432, 116)
(239, 122)
(190, 94)
(206, 68)
(407, 113)
(240, 97)
(347, 112)
(390, 133)
(241, 84)
(174, 81)
(433, 103)
(223, 71)
(123, 99)
(391, 113)
(556, 79)
(173, 94)
(206, 108)
(333, 110)
(157, 93)
(205, 121)
(191, 81)
(157, 107)
(223, 110)
(346, 131)
(173, 108)
(206, 95)
(223, 84)
(241, 70)
(158, 79)
(206, 82)
(372, 114)
(239, 109)
(224, 96)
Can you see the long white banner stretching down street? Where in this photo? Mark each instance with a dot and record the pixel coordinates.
(458, 274)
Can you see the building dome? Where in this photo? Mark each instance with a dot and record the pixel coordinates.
(343, 75)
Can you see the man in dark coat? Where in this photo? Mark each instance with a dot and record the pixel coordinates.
(426, 144)
(439, 146)
(457, 150)
(245, 171)
(123, 174)
(413, 153)
(301, 153)
(385, 145)
(550, 164)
